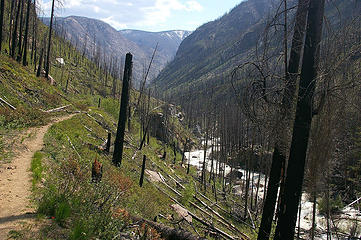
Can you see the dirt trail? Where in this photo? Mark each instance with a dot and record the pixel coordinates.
(15, 180)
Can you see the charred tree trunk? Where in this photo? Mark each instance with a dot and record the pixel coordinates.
(18, 58)
(204, 169)
(107, 148)
(12, 9)
(33, 43)
(279, 153)
(15, 30)
(47, 63)
(67, 84)
(174, 153)
(25, 62)
(2, 6)
(184, 150)
(302, 125)
(40, 62)
(119, 140)
(142, 172)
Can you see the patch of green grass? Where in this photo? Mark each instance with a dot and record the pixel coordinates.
(62, 212)
(37, 168)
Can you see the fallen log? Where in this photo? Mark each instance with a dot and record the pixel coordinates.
(177, 182)
(204, 222)
(250, 216)
(8, 104)
(215, 204)
(168, 232)
(103, 125)
(349, 205)
(56, 109)
(173, 190)
(71, 144)
(226, 235)
(230, 225)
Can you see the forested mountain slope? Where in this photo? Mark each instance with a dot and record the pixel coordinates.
(207, 57)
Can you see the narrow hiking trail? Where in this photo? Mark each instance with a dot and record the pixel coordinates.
(15, 179)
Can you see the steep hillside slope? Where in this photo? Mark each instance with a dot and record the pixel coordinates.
(206, 58)
(215, 47)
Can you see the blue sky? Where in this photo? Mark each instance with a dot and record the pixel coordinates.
(148, 15)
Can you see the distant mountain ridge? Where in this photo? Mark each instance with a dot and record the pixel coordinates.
(168, 41)
(96, 35)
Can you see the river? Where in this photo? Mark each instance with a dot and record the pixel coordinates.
(344, 221)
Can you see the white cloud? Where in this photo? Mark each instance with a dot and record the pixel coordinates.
(162, 10)
(96, 9)
(117, 25)
(194, 6)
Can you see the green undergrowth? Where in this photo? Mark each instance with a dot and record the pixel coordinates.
(69, 196)
(76, 203)
(30, 96)
(37, 168)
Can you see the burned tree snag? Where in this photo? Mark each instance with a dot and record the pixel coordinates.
(302, 124)
(14, 33)
(26, 36)
(38, 72)
(107, 148)
(119, 139)
(142, 172)
(47, 64)
(18, 58)
(174, 153)
(164, 157)
(184, 150)
(2, 6)
(67, 84)
(279, 153)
